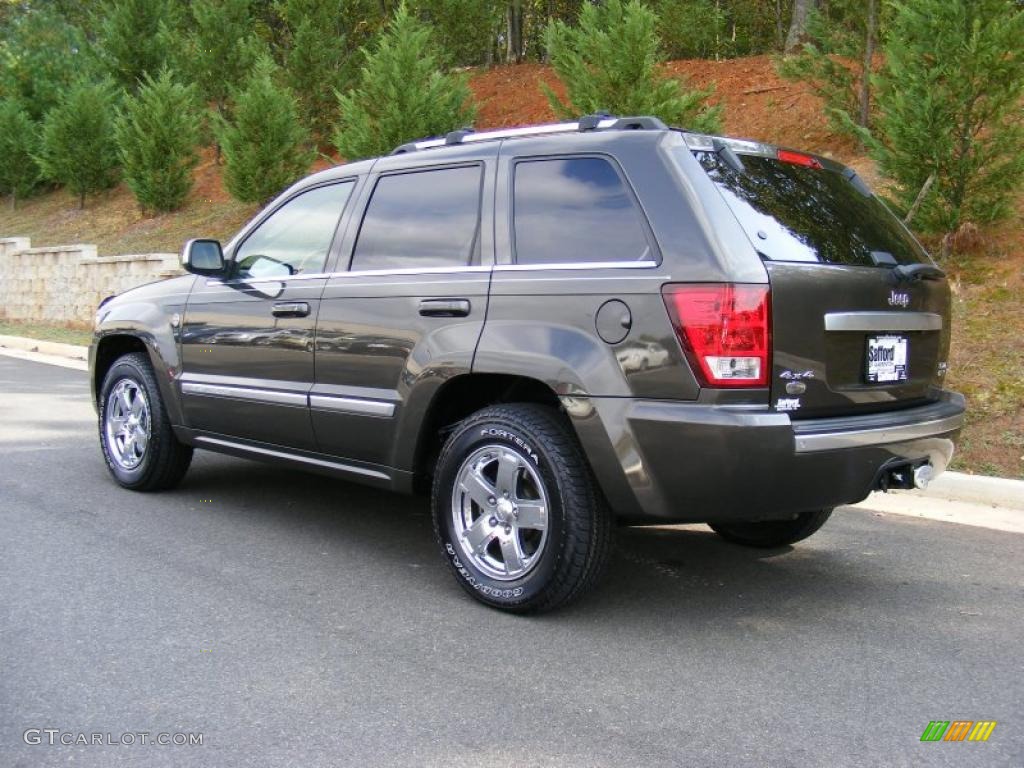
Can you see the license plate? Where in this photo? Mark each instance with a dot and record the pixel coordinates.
(886, 359)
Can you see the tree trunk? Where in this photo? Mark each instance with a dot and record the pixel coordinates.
(798, 25)
(921, 195)
(780, 33)
(81, 201)
(516, 31)
(508, 33)
(869, 54)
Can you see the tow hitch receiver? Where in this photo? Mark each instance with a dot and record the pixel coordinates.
(905, 476)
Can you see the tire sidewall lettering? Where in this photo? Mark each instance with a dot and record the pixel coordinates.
(489, 589)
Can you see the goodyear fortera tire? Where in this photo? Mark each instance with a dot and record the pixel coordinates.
(138, 442)
(768, 534)
(517, 513)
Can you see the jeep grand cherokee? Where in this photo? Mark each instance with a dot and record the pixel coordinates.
(552, 330)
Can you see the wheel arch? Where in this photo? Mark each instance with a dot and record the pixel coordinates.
(110, 347)
(460, 397)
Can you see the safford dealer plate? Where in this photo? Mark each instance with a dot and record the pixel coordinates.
(886, 359)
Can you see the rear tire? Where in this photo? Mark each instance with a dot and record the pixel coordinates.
(768, 534)
(517, 513)
(136, 436)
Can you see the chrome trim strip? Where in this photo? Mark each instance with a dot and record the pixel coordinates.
(294, 457)
(353, 405)
(410, 271)
(262, 280)
(883, 321)
(576, 265)
(415, 271)
(355, 273)
(244, 393)
(829, 441)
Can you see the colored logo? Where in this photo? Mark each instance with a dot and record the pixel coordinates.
(958, 730)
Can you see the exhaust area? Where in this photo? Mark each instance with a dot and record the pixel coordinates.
(905, 476)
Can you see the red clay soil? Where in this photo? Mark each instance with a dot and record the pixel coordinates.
(758, 103)
(209, 183)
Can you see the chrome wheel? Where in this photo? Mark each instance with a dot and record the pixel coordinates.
(128, 424)
(500, 512)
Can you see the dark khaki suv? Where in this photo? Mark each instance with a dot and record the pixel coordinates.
(552, 330)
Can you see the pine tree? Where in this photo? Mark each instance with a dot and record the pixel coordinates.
(692, 29)
(40, 57)
(77, 147)
(157, 132)
(220, 48)
(609, 63)
(18, 139)
(315, 57)
(462, 28)
(265, 145)
(948, 101)
(136, 37)
(402, 93)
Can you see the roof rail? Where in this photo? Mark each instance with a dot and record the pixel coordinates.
(596, 122)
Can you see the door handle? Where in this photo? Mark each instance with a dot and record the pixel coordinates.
(444, 307)
(290, 309)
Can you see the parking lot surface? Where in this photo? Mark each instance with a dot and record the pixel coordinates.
(294, 620)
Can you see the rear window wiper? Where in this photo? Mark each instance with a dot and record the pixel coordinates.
(908, 273)
(728, 155)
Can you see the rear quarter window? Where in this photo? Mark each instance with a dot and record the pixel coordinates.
(571, 210)
(794, 212)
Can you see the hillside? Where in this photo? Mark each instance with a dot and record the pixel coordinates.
(757, 103)
(987, 271)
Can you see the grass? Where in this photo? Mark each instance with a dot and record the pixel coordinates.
(45, 332)
(113, 222)
(986, 358)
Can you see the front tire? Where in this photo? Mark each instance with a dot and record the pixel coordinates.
(136, 436)
(769, 534)
(516, 510)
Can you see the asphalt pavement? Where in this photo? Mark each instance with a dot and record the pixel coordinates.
(293, 620)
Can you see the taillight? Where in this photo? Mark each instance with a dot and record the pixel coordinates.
(725, 331)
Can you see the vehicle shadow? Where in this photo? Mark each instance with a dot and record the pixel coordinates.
(678, 575)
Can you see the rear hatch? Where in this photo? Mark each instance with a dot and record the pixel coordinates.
(860, 314)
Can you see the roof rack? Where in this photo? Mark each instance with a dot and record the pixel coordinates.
(596, 122)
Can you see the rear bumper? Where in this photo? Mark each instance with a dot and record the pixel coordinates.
(660, 460)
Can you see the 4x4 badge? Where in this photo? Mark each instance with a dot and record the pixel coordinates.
(898, 299)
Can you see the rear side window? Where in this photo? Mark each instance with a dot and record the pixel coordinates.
(575, 210)
(421, 219)
(794, 212)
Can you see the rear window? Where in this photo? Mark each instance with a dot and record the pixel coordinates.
(794, 212)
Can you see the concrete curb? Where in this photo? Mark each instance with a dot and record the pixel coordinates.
(55, 348)
(952, 486)
(978, 489)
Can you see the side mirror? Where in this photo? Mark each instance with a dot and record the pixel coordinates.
(203, 257)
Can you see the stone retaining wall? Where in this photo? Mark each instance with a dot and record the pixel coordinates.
(63, 284)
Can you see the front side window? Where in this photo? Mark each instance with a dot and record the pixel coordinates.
(296, 237)
(421, 219)
(575, 210)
